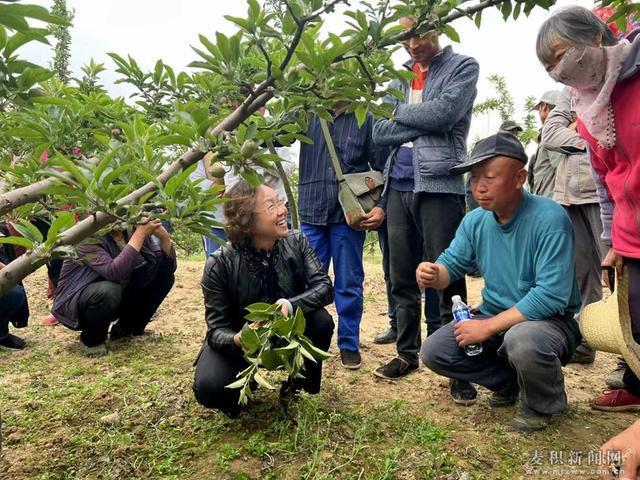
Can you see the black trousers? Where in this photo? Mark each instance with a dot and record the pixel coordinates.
(101, 303)
(630, 379)
(420, 227)
(13, 308)
(215, 369)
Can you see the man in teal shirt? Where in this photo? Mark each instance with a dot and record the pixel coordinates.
(523, 245)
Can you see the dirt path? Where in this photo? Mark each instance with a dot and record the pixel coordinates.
(476, 431)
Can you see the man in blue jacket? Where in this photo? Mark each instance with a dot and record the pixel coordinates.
(425, 204)
(523, 245)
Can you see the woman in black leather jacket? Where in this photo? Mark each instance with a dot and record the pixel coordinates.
(263, 262)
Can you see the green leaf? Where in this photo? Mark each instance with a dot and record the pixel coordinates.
(294, 344)
(238, 383)
(3, 37)
(249, 339)
(506, 9)
(20, 241)
(64, 221)
(516, 10)
(271, 360)
(259, 307)
(450, 32)
(263, 381)
(299, 322)
(31, 11)
(478, 19)
(361, 114)
(27, 230)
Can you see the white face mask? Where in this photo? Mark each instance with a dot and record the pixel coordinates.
(581, 69)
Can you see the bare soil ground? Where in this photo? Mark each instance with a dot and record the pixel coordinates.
(132, 414)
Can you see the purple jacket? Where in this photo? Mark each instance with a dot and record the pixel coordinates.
(104, 261)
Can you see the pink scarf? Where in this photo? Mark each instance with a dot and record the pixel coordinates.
(593, 73)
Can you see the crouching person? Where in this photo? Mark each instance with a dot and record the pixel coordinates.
(124, 275)
(263, 262)
(14, 308)
(523, 245)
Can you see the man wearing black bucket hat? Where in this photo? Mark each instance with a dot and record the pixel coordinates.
(523, 245)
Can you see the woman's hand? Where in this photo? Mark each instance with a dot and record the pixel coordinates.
(612, 259)
(142, 232)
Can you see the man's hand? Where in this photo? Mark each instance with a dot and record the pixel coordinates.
(373, 219)
(2, 265)
(471, 332)
(427, 274)
(628, 444)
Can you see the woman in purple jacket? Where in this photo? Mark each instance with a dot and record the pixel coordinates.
(123, 276)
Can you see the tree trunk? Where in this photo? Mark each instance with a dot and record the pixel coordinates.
(293, 208)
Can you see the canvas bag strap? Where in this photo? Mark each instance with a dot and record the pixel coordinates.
(332, 150)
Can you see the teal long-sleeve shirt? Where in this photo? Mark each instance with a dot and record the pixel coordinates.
(527, 263)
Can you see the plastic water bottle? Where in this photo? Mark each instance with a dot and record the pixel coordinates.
(461, 313)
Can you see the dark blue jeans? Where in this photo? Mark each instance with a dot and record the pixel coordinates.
(13, 308)
(342, 245)
(210, 245)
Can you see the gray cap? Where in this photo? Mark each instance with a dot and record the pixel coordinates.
(501, 144)
(511, 126)
(550, 97)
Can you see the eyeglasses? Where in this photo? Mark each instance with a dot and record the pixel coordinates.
(272, 207)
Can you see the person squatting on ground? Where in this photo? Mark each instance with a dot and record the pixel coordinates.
(574, 188)
(323, 221)
(523, 245)
(263, 262)
(425, 204)
(579, 50)
(124, 276)
(14, 308)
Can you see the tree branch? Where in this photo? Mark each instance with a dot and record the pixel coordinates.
(365, 70)
(287, 187)
(29, 262)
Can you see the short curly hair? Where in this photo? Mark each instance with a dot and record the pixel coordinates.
(239, 213)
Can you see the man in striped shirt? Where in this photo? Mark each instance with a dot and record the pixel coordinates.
(323, 221)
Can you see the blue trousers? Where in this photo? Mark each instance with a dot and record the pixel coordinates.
(14, 309)
(343, 245)
(209, 244)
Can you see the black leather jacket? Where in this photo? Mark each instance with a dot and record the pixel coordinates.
(229, 286)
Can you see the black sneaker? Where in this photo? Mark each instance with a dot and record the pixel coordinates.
(584, 355)
(505, 397)
(462, 392)
(529, 421)
(396, 368)
(13, 342)
(350, 359)
(388, 336)
(117, 332)
(615, 379)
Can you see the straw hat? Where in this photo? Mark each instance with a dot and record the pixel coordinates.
(606, 325)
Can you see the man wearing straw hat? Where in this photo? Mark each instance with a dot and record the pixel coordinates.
(523, 245)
